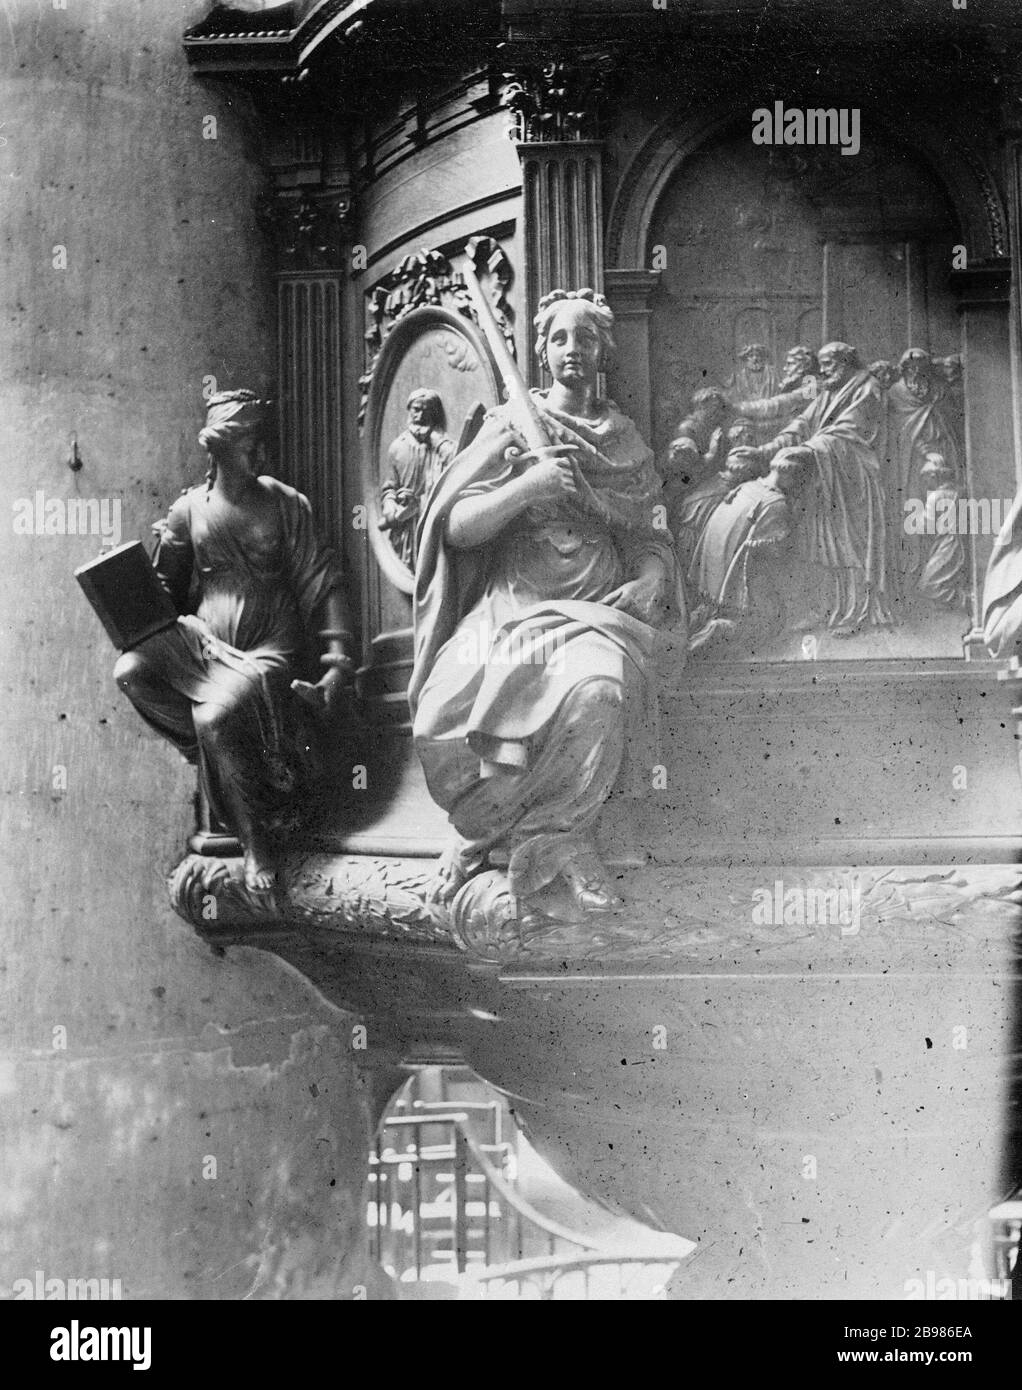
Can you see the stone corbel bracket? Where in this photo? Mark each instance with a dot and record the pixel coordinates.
(725, 918)
(371, 898)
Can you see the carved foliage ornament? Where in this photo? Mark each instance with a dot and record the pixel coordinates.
(428, 279)
(886, 913)
(307, 233)
(557, 100)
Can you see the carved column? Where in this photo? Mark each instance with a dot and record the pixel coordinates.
(306, 220)
(555, 112)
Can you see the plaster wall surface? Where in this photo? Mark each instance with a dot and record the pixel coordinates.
(134, 1064)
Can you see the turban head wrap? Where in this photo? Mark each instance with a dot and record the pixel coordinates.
(230, 415)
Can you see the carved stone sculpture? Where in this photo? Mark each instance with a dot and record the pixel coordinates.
(257, 594)
(415, 460)
(754, 379)
(428, 278)
(798, 385)
(558, 99)
(919, 424)
(689, 516)
(884, 373)
(699, 468)
(542, 579)
(842, 531)
(728, 574)
(1002, 590)
(943, 572)
(698, 450)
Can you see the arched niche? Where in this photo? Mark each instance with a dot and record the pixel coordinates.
(968, 184)
(782, 245)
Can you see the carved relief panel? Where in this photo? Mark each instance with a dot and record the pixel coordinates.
(806, 495)
(431, 386)
(428, 381)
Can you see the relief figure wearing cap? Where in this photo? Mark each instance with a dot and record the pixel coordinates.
(260, 599)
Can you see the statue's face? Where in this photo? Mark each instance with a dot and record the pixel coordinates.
(834, 369)
(916, 377)
(246, 450)
(755, 360)
(420, 414)
(573, 347)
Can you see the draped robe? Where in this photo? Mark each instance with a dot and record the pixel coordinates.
(217, 683)
(414, 462)
(1002, 589)
(843, 526)
(942, 576)
(531, 697)
(753, 514)
(745, 386)
(917, 427)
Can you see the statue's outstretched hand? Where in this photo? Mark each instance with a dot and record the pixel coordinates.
(643, 598)
(326, 696)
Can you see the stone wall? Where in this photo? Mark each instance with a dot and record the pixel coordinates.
(135, 1062)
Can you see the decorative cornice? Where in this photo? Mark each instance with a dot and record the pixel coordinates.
(630, 291)
(983, 284)
(224, 22)
(428, 278)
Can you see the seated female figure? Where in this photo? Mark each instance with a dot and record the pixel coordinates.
(257, 595)
(541, 580)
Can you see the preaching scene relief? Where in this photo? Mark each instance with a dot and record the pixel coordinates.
(807, 403)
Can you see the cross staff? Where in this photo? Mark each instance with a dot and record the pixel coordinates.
(524, 413)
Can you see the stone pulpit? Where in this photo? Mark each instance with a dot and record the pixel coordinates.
(768, 998)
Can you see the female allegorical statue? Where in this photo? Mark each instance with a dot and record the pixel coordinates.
(240, 559)
(542, 576)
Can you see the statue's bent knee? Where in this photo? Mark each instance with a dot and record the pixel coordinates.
(598, 698)
(131, 670)
(211, 720)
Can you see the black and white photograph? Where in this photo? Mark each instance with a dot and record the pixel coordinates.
(512, 625)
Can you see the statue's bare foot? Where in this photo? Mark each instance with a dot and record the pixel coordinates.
(454, 869)
(532, 921)
(589, 888)
(260, 871)
(716, 630)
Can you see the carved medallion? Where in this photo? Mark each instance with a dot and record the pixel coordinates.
(431, 385)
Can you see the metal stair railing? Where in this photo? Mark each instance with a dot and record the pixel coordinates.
(435, 1203)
